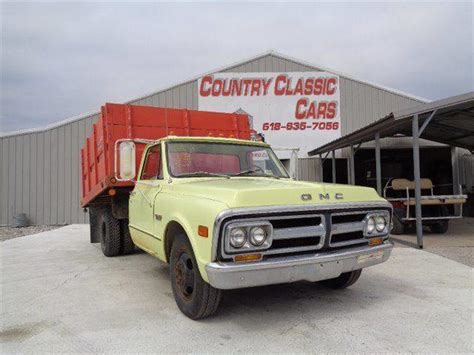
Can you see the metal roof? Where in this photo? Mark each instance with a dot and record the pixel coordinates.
(452, 124)
(225, 68)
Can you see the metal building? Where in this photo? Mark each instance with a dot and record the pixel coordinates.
(40, 174)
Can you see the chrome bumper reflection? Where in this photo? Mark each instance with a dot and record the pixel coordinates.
(296, 268)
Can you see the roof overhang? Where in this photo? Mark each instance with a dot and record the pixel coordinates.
(452, 123)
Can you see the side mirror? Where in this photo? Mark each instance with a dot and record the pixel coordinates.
(126, 160)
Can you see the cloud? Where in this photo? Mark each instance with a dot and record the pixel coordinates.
(60, 60)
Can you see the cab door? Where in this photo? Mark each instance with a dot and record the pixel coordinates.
(142, 201)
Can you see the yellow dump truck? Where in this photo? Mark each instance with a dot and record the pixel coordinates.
(222, 212)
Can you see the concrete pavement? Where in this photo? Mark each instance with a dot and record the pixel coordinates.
(59, 294)
(457, 244)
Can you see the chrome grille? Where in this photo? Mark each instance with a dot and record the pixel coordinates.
(291, 234)
(302, 232)
(297, 233)
(347, 228)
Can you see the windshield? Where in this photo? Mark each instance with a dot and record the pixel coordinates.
(195, 159)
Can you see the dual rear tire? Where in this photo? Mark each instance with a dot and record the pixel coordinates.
(112, 233)
(127, 245)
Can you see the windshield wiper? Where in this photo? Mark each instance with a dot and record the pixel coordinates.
(203, 173)
(253, 171)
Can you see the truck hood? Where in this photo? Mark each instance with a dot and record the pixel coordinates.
(255, 192)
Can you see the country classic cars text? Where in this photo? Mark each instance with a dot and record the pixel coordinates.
(280, 85)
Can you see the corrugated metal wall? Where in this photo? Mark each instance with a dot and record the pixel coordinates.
(40, 174)
(40, 171)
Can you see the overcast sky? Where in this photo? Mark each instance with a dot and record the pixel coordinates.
(61, 60)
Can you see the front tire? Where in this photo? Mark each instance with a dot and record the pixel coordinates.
(109, 233)
(344, 280)
(194, 297)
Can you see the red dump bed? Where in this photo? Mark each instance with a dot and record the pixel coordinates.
(119, 121)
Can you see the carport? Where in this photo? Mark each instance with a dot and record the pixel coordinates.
(449, 121)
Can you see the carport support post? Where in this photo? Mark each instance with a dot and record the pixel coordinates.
(321, 167)
(416, 171)
(334, 166)
(351, 166)
(455, 169)
(378, 169)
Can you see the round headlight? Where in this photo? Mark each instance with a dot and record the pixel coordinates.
(257, 236)
(237, 237)
(380, 223)
(370, 225)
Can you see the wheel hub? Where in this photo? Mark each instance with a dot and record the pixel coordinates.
(184, 271)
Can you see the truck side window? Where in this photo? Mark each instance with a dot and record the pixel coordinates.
(153, 168)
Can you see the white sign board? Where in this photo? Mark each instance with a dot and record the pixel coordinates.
(292, 110)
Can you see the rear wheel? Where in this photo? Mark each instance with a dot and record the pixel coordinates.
(94, 224)
(440, 227)
(127, 246)
(194, 297)
(344, 280)
(109, 233)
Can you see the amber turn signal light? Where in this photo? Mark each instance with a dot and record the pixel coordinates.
(112, 192)
(247, 257)
(375, 241)
(203, 231)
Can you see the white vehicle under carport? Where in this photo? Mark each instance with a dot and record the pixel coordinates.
(437, 209)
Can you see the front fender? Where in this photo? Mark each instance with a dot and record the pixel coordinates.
(191, 212)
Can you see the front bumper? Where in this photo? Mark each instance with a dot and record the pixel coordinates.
(295, 268)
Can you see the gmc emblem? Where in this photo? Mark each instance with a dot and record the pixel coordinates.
(306, 197)
(327, 196)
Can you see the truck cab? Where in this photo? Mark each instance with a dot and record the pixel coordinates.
(225, 214)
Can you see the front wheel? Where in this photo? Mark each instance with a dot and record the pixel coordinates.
(194, 297)
(344, 280)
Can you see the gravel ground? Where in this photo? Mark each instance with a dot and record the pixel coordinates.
(10, 232)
